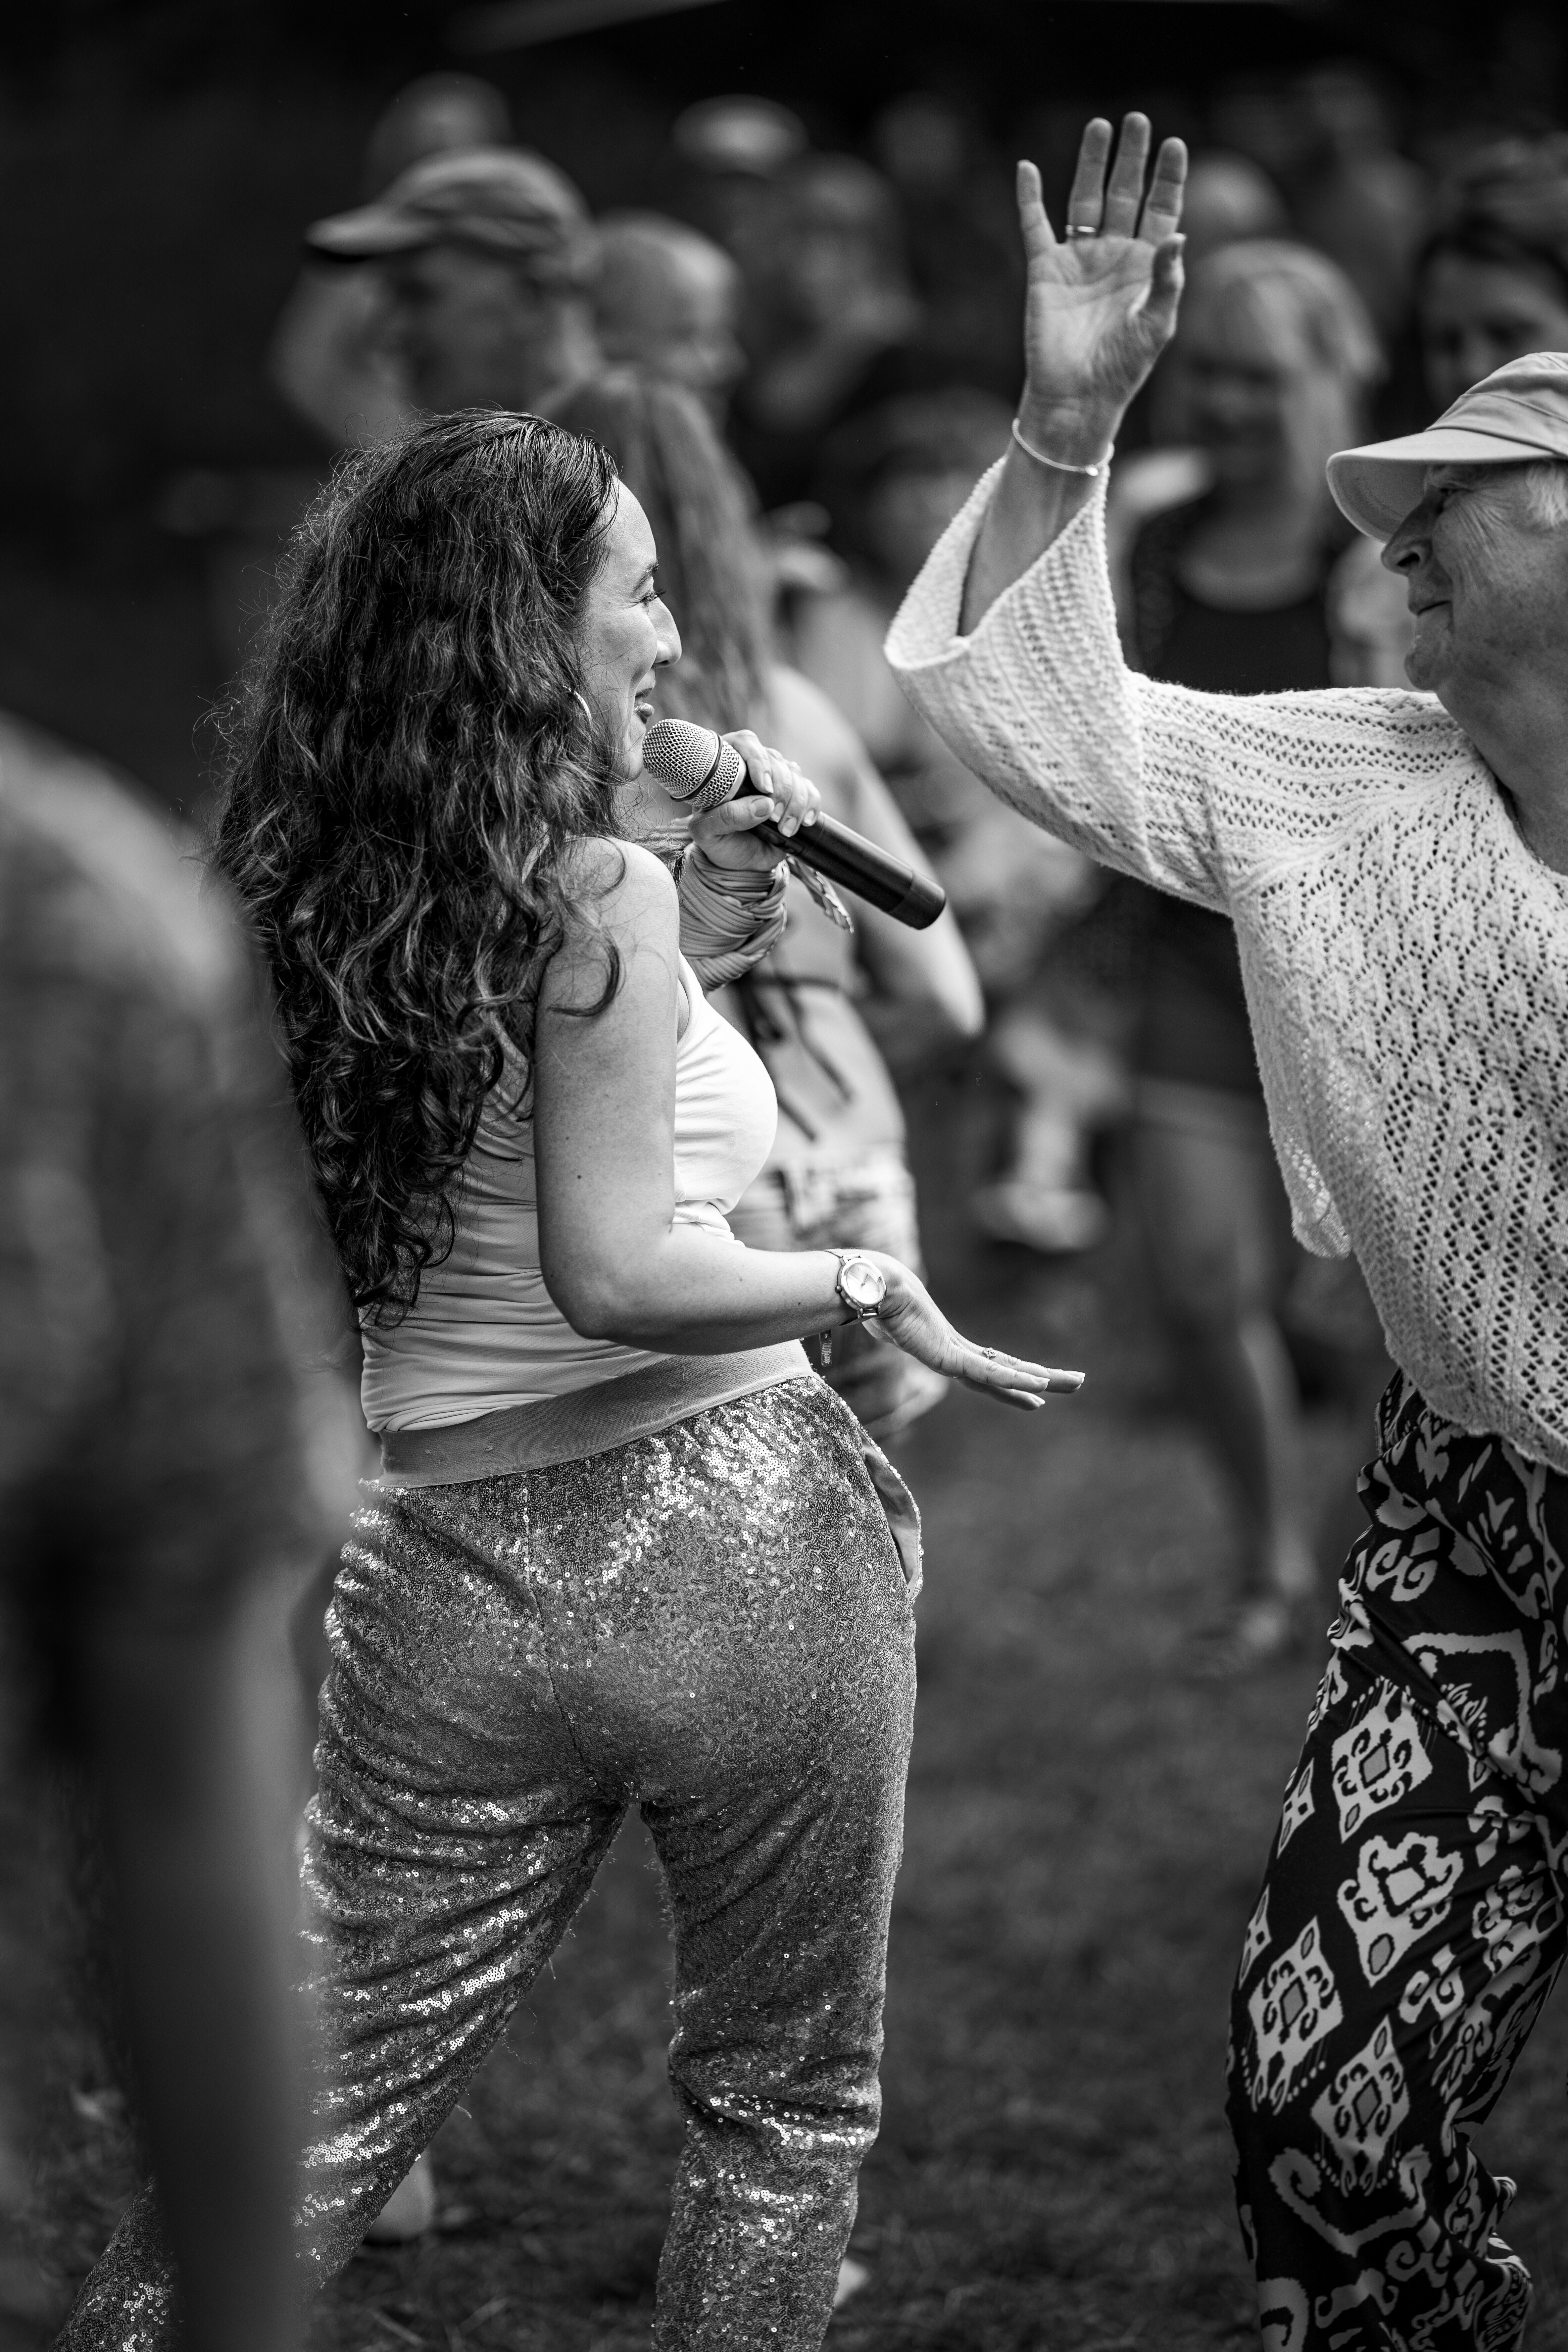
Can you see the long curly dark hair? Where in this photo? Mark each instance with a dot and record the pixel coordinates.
(408, 767)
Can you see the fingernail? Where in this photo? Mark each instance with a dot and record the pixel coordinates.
(1066, 1384)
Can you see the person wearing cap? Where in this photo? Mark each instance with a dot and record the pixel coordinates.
(1491, 285)
(1395, 864)
(327, 357)
(488, 259)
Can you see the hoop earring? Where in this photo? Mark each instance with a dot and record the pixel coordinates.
(580, 699)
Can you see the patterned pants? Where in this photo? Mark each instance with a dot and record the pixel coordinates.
(712, 1623)
(1412, 1918)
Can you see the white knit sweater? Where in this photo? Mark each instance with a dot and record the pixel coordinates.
(1405, 954)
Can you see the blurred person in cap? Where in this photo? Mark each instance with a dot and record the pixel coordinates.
(1491, 286)
(1396, 862)
(329, 363)
(487, 260)
(892, 481)
(177, 1451)
(837, 1173)
(668, 301)
(327, 357)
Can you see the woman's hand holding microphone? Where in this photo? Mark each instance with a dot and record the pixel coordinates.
(782, 794)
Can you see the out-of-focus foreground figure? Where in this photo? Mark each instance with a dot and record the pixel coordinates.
(168, 1478)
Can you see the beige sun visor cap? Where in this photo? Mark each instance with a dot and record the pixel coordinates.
(1516, 415)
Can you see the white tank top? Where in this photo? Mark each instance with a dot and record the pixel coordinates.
(484, 1332)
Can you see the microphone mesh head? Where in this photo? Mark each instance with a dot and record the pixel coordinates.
(692, 763)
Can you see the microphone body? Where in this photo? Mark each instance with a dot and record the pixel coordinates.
(698, 767)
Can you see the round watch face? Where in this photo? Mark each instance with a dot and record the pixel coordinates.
(862, 1285)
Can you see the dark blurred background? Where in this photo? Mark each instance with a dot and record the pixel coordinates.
(158, 162)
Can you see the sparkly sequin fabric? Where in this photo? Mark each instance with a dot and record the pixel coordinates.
(714, 1624)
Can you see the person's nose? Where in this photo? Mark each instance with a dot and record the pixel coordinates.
(1412, 542)
(666, 636)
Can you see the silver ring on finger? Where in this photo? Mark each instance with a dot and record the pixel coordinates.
(990, 1354)
(1077, 228)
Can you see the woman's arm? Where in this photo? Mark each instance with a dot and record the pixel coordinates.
(614, 1261)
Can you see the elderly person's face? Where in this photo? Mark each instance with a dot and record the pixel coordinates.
(1487, 581)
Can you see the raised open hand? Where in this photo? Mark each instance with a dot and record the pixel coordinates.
(1101, 301)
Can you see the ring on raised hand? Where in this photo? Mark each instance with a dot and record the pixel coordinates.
(1075, 228)
(991, 1352)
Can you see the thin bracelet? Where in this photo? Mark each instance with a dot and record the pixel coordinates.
(1059, 464)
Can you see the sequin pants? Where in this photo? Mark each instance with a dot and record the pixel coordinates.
(712, 1624)
(1411, 1923)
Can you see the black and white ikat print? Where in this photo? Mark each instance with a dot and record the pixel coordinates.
(1412, 1918)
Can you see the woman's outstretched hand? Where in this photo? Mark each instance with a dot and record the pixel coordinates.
(1102, 299)
(912, 1320)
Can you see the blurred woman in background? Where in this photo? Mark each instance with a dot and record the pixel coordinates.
(1225, 593)
(838, 1171)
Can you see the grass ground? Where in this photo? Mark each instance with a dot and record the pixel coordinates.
(1086, 1828)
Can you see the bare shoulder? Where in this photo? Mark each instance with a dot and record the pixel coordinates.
(615, 882)
(624, 920)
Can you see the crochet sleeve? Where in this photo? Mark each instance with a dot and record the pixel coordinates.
(1198, 793)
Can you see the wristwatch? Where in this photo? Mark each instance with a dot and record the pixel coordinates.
(862, 1285)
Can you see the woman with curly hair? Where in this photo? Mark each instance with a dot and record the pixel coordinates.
(627, 1548)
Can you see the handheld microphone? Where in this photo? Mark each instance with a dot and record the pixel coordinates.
(698, 767)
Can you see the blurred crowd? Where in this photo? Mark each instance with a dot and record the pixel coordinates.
(802, 366)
